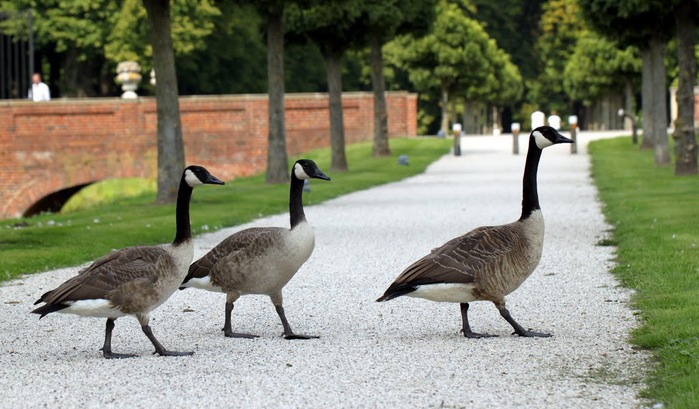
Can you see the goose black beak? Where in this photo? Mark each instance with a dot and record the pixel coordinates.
(320, 175)
(213, 180)
(562, 139)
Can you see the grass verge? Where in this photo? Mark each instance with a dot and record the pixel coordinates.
(52, 241)
(656, 229)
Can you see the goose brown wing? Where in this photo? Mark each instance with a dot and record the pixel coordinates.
(108, 273)
(460, 260)
(235, 243)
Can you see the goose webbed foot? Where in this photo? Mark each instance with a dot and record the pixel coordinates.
(230, 334)
(519, 330)
(288, 333)
(471, 334)
(159, 348)
(165, 352)
(113, 355)
(526, 333)
(298, 336)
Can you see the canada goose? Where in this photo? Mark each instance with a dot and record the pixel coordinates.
(260, 260)
(488, 262)
(134, 280)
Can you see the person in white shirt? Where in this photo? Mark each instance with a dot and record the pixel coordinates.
(39, 90)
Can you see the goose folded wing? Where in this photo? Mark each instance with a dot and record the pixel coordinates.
(460, 260)
(239, 242)
(108, 273)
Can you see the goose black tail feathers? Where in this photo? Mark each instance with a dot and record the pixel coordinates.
(395, 291)
(48, 308)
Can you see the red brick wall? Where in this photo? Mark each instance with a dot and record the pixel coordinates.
(45, 147)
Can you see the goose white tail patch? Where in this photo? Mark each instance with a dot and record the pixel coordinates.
(457, 293)
(300, 173)
(541, 141)
(203, 283)
(192, 179)
(93, 308)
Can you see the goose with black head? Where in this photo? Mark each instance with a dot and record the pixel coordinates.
(135, 280)
(489, 262)
(260, 260)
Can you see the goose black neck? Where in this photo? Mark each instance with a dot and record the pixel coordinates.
(184, 230)
(296, 214)
(530, 194)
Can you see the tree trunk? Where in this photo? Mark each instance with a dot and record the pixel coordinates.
(647, 97)
(445, 110)
(277, 161)
(381, 147)
(659, 103)
(628, 103)
(685, 138)
(170, 145)
(333, 66)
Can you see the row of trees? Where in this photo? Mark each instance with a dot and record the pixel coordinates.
(555, 54)
(649, 26)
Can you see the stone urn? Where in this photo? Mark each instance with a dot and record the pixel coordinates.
(129, 76)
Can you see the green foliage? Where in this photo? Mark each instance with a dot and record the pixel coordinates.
(385, 19)
(57, 240)
(330, 24)
(128, 38)
(457, 56)
(561, 26)
(233, 58)
(598, 65)
(92, 36)
(514, 25)
(629, 22)
(655, 220)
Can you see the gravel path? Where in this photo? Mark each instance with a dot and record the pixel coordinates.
(402, 353)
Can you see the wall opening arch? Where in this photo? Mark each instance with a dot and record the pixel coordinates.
(53, 202)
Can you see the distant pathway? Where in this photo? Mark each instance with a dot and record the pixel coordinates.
(403, 353)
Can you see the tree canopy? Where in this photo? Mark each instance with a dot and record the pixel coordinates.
(598, 65)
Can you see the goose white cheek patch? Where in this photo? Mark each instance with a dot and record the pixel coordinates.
(300, 173)
(541, 141)
(191, 179)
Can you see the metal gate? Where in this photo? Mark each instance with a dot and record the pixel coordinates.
(16, 54)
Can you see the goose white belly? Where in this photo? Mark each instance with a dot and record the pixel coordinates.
(448, 292)
(99, 308)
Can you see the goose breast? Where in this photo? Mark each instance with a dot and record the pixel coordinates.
(263, 260)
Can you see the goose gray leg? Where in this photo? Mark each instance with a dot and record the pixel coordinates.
(107, 347)
(143, 319)
(466, 328)
(227, 331)
(159, 348)
(288, 333)
(519, 330)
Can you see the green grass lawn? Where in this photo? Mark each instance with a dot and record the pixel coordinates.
(51, 241)
(656, 228)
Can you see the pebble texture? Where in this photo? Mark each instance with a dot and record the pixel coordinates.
(405, 352)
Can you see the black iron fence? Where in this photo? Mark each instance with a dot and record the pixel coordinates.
(16, 54)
